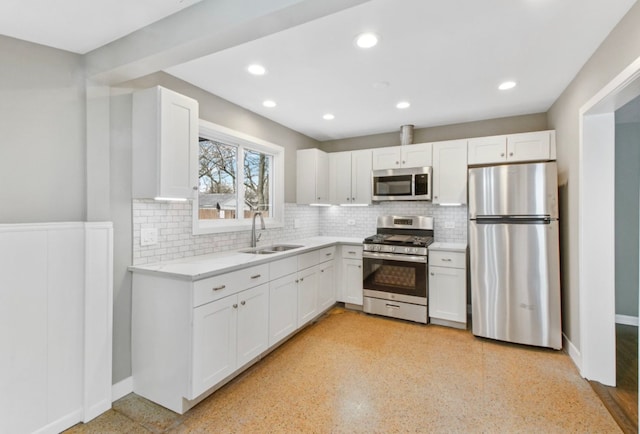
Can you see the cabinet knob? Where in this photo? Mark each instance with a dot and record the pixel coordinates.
(302, 279)
(347, 199)
(435, 197)
(502, 154)
(510, 154)
(353, 199)
(297, 280)
(403, 162)
(235, 305)
(322, 271)
(397, 162)
(432, 274)
(359, 266)
(318, 198)
(195, 188)
(243, 302)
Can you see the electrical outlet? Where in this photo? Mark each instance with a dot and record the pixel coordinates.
(148, 236)
(296, 223)
(449, 225)
(351, 222)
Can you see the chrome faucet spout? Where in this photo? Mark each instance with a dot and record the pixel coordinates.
(254, 239)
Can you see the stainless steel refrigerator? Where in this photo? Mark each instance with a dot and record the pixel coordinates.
(514, 253)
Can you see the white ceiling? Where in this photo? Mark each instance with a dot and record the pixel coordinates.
(445, 57)
(80, 26)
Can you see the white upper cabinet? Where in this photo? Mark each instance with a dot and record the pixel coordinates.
(165, 136)
(312, 184)
(535, 146)
(450, 172)
(350, 177)
(393, 157)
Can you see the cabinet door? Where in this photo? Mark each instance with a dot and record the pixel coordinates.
(307, 295)
(283, 308)
(214, 343)
(340, 178)
(326, 286)
(450, 172)
(361, 177)
(322, 177)
(447, 294)
(386, 158)
(179, 141)
(253, 323)
(529, 146)
(484, 150)
(353, 281)
(417, 155)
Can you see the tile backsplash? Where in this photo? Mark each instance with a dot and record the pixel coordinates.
(176, 240)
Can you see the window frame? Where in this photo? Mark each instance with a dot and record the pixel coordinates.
(228, 136)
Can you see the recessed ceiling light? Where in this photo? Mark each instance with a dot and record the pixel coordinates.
(366, 40)
(507, 85)
(256, 69)
(403, 105)
(328, 117)
(269, 103)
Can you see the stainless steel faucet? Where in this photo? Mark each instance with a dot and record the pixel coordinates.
(254, 240)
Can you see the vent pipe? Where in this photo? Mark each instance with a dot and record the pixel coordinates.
(406, 134)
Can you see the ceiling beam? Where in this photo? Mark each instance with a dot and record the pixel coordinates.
(204, 28)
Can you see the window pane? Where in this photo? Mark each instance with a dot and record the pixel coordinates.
(217, 193)
(257, 183)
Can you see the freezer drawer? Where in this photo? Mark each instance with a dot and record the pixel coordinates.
(515, 282)
(514, 190)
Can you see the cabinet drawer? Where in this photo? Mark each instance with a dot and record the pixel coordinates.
(309, 259)
(282, 267)
(447, 259)
(352, 252)
(216, 287)
(327, 254)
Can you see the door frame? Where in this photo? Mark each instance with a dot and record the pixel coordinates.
(596, 216)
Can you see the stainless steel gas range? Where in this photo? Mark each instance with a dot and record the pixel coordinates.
(395, 265)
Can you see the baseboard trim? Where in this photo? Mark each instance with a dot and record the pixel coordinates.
(573, 352)
(121, 389)
(627, 320)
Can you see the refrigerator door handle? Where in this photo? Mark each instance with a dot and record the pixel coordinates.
(514, 219)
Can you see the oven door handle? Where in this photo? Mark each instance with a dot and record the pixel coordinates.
(394, 257)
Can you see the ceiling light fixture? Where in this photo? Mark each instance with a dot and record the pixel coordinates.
(507, 85)
(403, 105)
(366, 40)
(269, 103)
(328, 117)
(256, 69)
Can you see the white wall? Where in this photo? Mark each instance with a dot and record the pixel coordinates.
(618, 50)
(42, 134)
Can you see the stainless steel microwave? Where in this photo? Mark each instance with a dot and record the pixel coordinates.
(412, 183)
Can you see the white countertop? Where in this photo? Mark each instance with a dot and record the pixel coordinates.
(203, 266)
(451, 247)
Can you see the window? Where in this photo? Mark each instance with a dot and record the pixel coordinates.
(238, 176)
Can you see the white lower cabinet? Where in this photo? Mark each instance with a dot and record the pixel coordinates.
(283, 307)
(188, 337)
(448, 288)
(350, 276)
(227, 334)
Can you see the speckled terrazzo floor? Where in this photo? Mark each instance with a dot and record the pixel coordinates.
(351, 372)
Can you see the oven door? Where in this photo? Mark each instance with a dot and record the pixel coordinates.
(395, 277)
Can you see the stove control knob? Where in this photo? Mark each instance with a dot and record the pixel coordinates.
(377, 248)
(393, 248)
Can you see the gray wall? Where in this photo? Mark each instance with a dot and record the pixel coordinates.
(627, 217)
(489, 127)
(617, 51)
(42, 121)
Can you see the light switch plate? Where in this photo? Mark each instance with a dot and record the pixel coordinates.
(148, 236)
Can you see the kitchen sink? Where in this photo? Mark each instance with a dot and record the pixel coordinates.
(271, 249)
(283, 247)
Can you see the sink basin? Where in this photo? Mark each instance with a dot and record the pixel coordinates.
(283, 247)
(271, 249)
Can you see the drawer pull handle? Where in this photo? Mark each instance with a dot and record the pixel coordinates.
(393, 306)
(352, 253)
(235, 305)
(328, 254)
(446, 259)
(243, 302)
(218, 288)
(256, 276)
